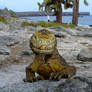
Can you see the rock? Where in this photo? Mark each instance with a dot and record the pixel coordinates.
(60, 34)
(7, 39)
(57, 28)
(69, 55)
(13, 59)
(85, 34)
(2, 58)
(5, 13)
(14, 27)
(84, 31)
(77, 31)
(30, 28)
(12, 43)
(11, 74)
(70, 31)
(84, 69)
(85, 55)
(27, 52)
(76, 84)
(2, 26)
(5, 42)
(4, 50)
(83, 28)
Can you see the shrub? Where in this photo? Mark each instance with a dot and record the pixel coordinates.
(28, 24)
(13, 14)
(42, 23)
(2, 19)
(46, 24)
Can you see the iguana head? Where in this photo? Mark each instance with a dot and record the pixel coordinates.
(43, 41)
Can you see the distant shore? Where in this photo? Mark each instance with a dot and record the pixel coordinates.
(22, 14)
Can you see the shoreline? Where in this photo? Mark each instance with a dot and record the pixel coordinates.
(85, 20)
(89, 26)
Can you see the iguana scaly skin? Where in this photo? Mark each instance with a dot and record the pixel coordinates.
(48, 64)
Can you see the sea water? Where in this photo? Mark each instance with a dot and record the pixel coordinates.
(84, 20)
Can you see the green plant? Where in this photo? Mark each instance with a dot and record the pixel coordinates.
(2, 19)
(46, 24)
(28, 24)
(12, 13)
(42, 23)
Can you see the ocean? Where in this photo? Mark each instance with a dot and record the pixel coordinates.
(84, 20)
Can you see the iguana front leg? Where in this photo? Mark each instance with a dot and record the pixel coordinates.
(30, 74)
(32, 69)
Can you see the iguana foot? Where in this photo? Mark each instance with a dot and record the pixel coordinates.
(66, 73)
(34, 79)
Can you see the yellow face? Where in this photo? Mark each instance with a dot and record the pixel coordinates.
(43, 41)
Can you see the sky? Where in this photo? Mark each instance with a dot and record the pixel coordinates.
(31, 5)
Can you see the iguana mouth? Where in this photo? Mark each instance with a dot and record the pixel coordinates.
(42, 51)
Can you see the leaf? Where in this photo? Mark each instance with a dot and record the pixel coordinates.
(38, 3)
(85, 2)
(53, 6)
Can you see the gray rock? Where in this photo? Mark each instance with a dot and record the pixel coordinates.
(5, 13)
(69, 55)
(14, 27)
(30, 28)
(77, 31)
(57, 28)
(83, 28)
(85, 55)
(85, 34)
(60, 34)
(5, 42)
(4, 50)
(2, 58)
(27, 52)
(66, 30)
(8, 39)
(76, 84)
(84, 31)
(2, 26)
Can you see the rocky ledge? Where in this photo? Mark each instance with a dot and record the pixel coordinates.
(76, 84)
(74, 44)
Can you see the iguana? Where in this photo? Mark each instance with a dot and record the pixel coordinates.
(47, 63)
